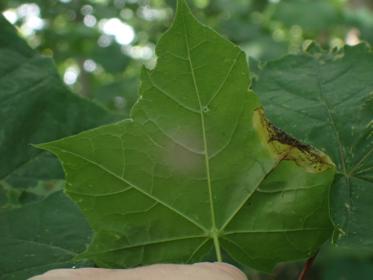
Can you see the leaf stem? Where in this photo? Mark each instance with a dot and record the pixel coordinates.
(217, 248)
(307, 266)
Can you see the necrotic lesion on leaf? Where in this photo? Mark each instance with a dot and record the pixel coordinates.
(289, 148)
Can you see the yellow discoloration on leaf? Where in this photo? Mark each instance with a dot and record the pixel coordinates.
(288, 148)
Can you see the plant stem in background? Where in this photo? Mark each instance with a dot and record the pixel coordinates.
(85, 89)
(307, 266)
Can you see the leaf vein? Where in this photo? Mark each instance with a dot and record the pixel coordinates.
(103, 168)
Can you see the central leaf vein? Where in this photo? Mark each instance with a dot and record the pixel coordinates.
(214, 231)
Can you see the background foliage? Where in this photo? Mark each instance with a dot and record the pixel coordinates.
(99, 46)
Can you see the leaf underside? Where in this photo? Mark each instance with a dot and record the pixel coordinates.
(197, 173)
(333, 112)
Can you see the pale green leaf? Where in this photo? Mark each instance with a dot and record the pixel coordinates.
(197, 173)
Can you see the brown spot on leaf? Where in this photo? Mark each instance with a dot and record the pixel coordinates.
(289, 148)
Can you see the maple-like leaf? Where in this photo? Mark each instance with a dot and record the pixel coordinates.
(326, 100)
(197, 173)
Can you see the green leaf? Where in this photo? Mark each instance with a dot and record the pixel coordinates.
(197, 173)
(108, 58)
(35, 107)
(41, 168)
(362, 20)
(319, 16)
(119, 95)
(327, 101)
(348, 269)
(41, 236)
(343, 263)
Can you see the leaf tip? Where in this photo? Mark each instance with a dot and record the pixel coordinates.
(182, 8)
(39, 146)
(43, 146)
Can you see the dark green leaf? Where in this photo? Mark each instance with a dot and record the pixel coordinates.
(328, 102)
(111, 58)
(41, 236)
(35, 107)
(313, 16)
(118, 96)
